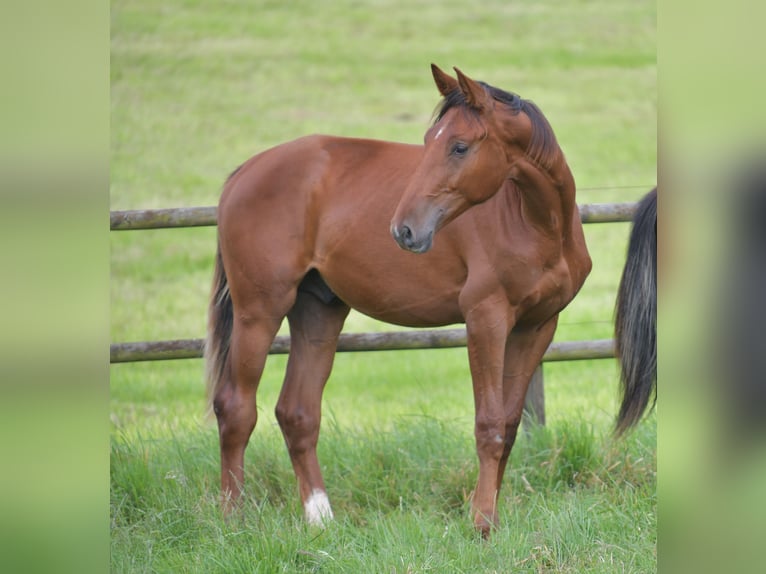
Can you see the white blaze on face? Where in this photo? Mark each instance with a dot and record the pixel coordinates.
(317, 508)
(441, 129)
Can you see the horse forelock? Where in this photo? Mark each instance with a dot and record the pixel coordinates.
(543, 147)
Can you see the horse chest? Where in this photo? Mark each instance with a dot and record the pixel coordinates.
(533, 291)
(551, 292)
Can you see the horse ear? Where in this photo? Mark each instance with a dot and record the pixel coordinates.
(445, 83)
(474, 93)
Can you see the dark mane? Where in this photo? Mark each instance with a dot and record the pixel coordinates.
(543, 147)
(233, 173)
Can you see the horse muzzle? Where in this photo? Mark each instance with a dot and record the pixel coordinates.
(408, 240)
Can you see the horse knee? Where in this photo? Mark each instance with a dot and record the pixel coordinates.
(299, 427)
(490, 438)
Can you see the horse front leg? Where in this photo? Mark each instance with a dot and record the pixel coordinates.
(524, 351)
(487, 329)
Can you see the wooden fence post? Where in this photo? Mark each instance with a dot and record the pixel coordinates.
(534, 402)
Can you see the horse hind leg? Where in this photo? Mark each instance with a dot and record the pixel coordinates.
(234, 402)
(315, 324)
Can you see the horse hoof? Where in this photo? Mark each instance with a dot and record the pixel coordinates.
(485, 525)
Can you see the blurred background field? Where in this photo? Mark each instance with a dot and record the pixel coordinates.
(197, 88)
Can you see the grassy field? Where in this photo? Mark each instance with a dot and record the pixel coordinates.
(197, 87)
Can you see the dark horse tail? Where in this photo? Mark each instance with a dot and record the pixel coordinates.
(219, 326)
(636, 316)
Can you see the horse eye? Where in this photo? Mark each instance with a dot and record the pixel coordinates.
(459, 148)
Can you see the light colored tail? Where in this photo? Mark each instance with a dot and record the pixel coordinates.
(219, 326)
(636, 317)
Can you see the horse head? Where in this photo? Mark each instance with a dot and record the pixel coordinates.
(469, 151)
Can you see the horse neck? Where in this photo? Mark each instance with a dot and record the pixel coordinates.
(545, 193)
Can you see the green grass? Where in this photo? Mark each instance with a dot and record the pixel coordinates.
(398, 457)
(574, 503)
(196, 88)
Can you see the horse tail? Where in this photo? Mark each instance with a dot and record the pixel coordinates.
(219, 327)
(636, 317)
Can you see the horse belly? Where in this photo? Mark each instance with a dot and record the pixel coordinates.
(398, 287)
(405, 311)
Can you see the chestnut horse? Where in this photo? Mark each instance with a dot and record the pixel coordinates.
(305, 232)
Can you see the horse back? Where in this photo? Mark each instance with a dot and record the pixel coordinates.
(318, 168)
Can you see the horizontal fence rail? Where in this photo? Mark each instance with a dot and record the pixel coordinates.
(162, 218)
(349, 342)
(206, 216)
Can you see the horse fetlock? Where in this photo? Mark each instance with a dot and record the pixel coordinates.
(484, 522)
(317, 508)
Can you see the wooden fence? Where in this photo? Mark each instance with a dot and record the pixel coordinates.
(206, 216)
(385, 341)
(416, 339)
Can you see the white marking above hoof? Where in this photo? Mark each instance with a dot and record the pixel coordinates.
(317, 508)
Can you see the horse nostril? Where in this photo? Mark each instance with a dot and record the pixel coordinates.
(406, 235)
(403, 236)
